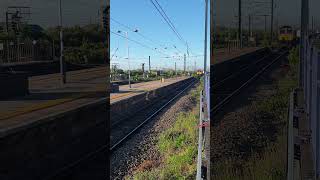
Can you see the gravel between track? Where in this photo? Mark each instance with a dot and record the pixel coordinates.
(140, 149)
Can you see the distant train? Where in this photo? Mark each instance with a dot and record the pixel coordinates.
(200, 72)
(287, 35)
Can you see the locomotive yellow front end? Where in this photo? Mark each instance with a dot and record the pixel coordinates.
(286, 35)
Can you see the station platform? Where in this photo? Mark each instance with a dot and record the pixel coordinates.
(224, 54)
(54, 125)
(47, 96)
(139, 88)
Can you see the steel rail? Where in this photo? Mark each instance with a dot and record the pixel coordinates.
(238, 72)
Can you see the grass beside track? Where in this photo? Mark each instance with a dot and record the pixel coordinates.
(260, 147)
(177, 147)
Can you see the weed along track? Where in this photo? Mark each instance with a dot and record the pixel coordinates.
(139, 150)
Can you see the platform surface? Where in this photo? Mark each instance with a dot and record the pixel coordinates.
(224, 54)
(48, 96)
(138, 88)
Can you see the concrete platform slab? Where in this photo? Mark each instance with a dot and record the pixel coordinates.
(48, 96)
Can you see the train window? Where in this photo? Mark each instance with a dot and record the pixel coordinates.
(282, 31)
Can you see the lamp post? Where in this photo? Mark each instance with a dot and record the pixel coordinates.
(129, 71)
(62, 69)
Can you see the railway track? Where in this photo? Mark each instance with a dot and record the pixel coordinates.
(97, 158)
(124, 129)
(223, 91)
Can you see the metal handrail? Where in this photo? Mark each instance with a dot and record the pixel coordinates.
(203, 120)
(312, 93)
(200, 140)
(306, 116)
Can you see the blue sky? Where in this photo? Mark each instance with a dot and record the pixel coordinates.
(187, 17)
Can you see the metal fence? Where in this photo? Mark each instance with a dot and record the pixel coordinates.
(312, 93)
(203, 158)
(25, 51)
(304, 116)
